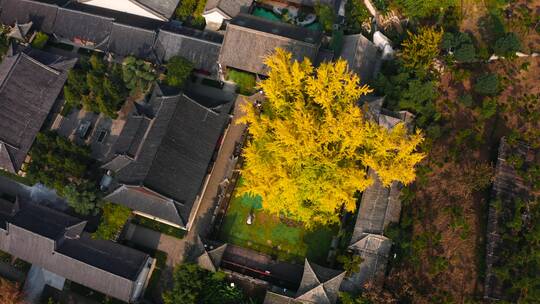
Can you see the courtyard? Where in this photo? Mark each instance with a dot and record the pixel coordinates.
(281, 238)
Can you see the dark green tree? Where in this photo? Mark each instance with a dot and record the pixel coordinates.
(507, 45)
(83, 201)
(487, 85)
(97, 86)
(461, 45)
(57, 162)
(194, 285)
(356, 13)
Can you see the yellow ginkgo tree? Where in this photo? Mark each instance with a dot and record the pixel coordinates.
(310, 143)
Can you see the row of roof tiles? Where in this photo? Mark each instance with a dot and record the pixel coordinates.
(57, 242)
(116, 32)
(248, 39)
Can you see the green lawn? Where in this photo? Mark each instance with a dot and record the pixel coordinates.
(268, 234)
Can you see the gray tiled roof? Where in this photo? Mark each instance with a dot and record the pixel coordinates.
(258, 38)
(171, 152)
(209, 258)
(200, 48)
(129, 40)
(28, 90)
(146, 201)
(319, 284)
(165, 8)
(43, 15)
(75, 25)
(56, 242)
(117, 32)
(378, 207)
(6, 162)
(230, 7)
(361, 54)
(374, 250)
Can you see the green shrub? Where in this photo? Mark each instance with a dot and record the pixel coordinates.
(487, 85)
(192, 285)
(466, 100)
(138, 75)
(466, 53)
(57, 162)
(489, 108)
(178, 71)
(356, 13)
(326, 16)
(40, 40)
(190, 12)
(113, 220)
(461, 45)
(160, 227)
(96, 85)
(245, 81)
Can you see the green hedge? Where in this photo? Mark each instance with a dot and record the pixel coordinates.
(160, 227)
(40, 40)
(15, 177)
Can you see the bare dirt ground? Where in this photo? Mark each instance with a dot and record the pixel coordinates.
(449, 207)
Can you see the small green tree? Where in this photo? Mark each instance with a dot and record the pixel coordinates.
(57, 162)
(507, 45)
(40, 40)
(461, 45)
(138, 75)
(97, 86)
(190, 12)
(178, 71)
(351, 262)
(326, 16)
(465, 53)
(356, 13)
(83, 201)
(487, 85)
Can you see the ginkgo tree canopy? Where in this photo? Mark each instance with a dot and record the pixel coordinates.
(310, 143)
